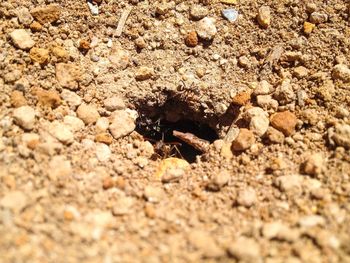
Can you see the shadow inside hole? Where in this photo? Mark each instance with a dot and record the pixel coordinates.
(160, 133)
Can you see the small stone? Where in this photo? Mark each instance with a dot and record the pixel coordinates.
(230, 14)
(247, 197)
(25, 117)
(244, 62)
(267, 102)
(153, 194)
(300, 72)
(88, 113)
(22, 39)
(245, 250)
(172, 175)
(314, 164)
(263, 88)
(341, 72)
(103, 152)
(60, 53)
(24, 16)
(102, 125)
(285, 122)
(259, 125)
(144, 73)
(84, 45)
(318, 18)
(93, 8)
(279, 231)
(191, 39)
(71, 98)
(122, 123)
(219, 180)
(39, 55)
(74, 124)
(12, 76)
(119, 57)
(206, 28)
(204, 242)
(274, 136)
(340, 135)
(31, 140)
(15, 200)
(150, 211)
(169, 164)
(107, 183)
(289, 183)
(104, 138)
(244, 140)
(264, 16)
(46, 14)
(311, 221)
(198, 12)
(17, 99)
(308, 27)
(68, 75)
(36, 26)
(285, 93)
(48, 98)
(140, 42)
(242, 98)
(61, 132)
(114, 103)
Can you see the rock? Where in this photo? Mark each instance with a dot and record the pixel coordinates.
(285, 122)
(340, 135)
(279, 231)
(60, 53)
(191, 39)
(119, 57)
(103, 153)
(88, 113)
(263, 88)
(300, 72)
(122, 123)
(259, 125)
(68, 75)
(274, 136)
(245, 250)
(39, 55)
(206, 28)
(12, 76)
(289, 183)
(219, 180)
(284, 93)
(172, 165)
(46, 14)
(114, 103)
(230, 14)
(244, 62)
(140, 43)
(22, 39)
(341, 72)
(264, 16)
(172, 175)
(153, 194)
(311, 221)
(308, 27)
(61, 132)
(267, 102)
(104, 138)
(17, 99)
(144, 73)
(31, 140)
(244, 140)
(102, 125)
(204, 242)
(15, 200)
(314, 164)
(72, 99)
(59, 168)
(198, 12)
(318, 18)
(242, 98)
(24, 16)
(247, 197)
(36, 26)
(25, 117)
(74, 124)
(47, 98)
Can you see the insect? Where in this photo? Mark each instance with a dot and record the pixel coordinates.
(167, 149)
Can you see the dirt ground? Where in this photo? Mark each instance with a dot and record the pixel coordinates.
(91, 171)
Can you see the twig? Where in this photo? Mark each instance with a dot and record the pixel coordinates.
(193, 140)
(122, 21)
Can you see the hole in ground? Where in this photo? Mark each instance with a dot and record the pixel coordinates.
(160, 133)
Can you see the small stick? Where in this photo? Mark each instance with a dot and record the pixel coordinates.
(122, 21)
(193, 140)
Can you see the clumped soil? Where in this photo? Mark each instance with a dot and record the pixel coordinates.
(76, 185)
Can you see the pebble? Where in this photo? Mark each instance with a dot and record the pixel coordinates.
(17, 99)
(341, 72)
(114, 103)
(22, 39)
(244, 140)
(12, 76)
(230, 14)
(104, 138)
(46, 14)
(93, 8)
(206, 28)
(68, 75)
(169, 164)
(144, 73)
(31, 140)
(308, 27)
(311, 221)
(263, 88)
(75, 124)
(285, 122)
(36, 26)
(172, 174)
(102, 125)
(15, 200)
(103, 152)
(300, 72)
(264, 16)
(340, 135)
(204, 242)
(247, 197)
(71, 98)
(289, 183)
(242, 98)
(25, 117)
(119, 57)
(198, 12)
(39, 55)
(285, 93)
(267, 102)
(123, 122)
(219, 180)
(278, 230)
(47, 98)
(245, 250)
(24, 16)
(318, 18)
(60, 53)
(88, 113)
(274, 136)
(61, 132)
(258, 120)
(153, 194)
(314, 164)
(191, 39)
